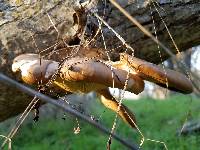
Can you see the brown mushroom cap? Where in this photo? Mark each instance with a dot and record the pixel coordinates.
(76, 74)
(167, 78)
(76, 69)
(33, 69)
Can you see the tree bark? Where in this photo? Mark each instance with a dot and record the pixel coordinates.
(182, 19)
(27, 27)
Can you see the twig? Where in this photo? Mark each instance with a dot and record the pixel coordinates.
(20, 120)
(116, 34)
(9, 81)
(146, 32)
(9, 143)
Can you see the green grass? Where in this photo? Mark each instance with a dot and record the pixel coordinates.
(158, 120)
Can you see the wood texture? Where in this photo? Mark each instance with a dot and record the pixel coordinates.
(26, 27)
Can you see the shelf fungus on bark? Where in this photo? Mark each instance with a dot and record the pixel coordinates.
(164, 77)
(82, 75)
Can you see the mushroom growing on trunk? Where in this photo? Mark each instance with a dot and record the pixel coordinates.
(83, 75)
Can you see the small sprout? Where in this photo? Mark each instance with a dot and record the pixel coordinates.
(77, 130)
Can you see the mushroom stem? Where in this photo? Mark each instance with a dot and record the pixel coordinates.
(110, 102)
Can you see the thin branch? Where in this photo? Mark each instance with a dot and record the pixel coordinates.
(143, 29)
(11, 82)
(148, 33)
(20, 120)
(116, 34)
(9, 141)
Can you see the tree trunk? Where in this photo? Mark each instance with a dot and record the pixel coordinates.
(33, 27)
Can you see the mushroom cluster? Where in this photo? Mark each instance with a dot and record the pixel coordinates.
(83, 75)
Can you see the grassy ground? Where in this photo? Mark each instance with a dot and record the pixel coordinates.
(158, 120)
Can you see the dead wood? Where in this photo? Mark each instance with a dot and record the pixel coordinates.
(30, 27)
